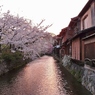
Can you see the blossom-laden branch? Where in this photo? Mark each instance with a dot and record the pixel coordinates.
(21, 35)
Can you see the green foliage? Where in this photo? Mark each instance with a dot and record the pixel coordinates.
(12, 59)
(73, 72)
(76, 74)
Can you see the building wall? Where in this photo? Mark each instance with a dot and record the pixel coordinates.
(82, 50)
(76, 48)
(87, 16)
(70, 33)
(64, 38)
(89, 48)
(93, 13)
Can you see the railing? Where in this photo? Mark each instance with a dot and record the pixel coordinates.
(90, 62)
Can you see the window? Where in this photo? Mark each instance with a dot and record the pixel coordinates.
(93, 14)
(85, 22)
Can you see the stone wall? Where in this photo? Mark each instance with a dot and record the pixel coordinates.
(82, 73)
(3, 68)
(71, 65)
(88, 79)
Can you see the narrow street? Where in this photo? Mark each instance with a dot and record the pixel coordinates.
(41, 77)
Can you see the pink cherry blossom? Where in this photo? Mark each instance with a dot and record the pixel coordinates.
(22, 35)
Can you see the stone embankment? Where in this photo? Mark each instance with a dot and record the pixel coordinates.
(3, 68)
(82, 72)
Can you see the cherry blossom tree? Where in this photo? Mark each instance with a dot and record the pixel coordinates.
(21, 34)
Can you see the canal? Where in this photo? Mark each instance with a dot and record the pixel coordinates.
(41, 77)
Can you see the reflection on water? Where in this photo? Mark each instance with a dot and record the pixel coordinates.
(40, 77)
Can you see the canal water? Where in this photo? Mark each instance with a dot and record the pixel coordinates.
(41, 77)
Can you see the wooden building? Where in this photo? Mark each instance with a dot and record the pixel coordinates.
(79, 37)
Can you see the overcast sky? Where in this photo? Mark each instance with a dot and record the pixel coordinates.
(56, 12)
